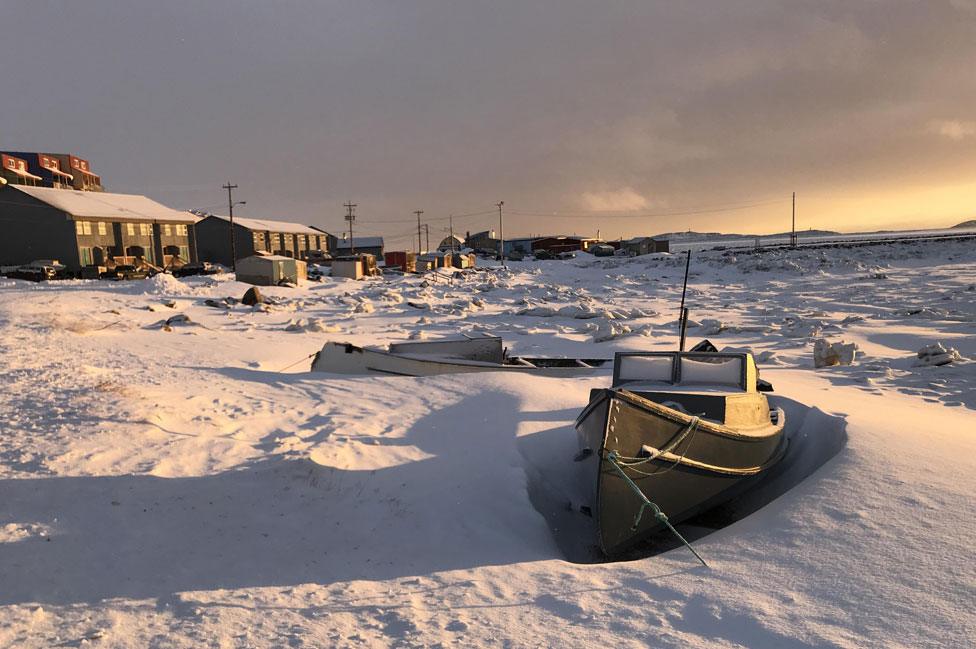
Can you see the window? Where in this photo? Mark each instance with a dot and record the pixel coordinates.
(130, 229)
(101, 228)
(185, 252)
(166, 230)
(144, 229)
(86, 256)
(83, 227)
(181, 230)
(79, 227)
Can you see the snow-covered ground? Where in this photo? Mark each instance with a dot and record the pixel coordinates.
(194, 485)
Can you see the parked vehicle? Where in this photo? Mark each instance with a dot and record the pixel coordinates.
(203, 268)
(123, 272)
(40, 270)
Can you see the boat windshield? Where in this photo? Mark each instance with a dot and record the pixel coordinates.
(646, 368)
(711, 371)
(698, 369)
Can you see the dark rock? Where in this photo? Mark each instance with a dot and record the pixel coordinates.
(252, 296)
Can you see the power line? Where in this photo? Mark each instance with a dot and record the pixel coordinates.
(606, 215)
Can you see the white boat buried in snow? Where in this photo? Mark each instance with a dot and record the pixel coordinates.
(464, 354)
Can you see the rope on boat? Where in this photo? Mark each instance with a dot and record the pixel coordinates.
(632, 462)
(646, 503)
(288, 367)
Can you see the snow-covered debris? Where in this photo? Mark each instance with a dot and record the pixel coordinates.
(301, 325)
(936, 354)
(827, 354)
(765, 357)
(606, 330)
(178, 320)
(218, 304)
(712, 327)
(537, 311)
(166, 284)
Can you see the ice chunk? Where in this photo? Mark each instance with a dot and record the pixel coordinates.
(937, 354)
(827, 354)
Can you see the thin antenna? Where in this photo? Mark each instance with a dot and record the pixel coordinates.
(683, 312)
(793, 230)
(501, 232)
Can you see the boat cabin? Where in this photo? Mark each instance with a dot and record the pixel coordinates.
(721, 387)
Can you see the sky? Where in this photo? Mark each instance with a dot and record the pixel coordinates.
(623, 117)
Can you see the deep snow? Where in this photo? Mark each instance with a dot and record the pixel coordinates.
(177, 489)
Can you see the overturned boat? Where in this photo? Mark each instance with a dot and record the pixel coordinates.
(676, 434)
(463, 354)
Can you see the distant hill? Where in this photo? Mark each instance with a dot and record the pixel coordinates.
(965, 224)
(720, 236)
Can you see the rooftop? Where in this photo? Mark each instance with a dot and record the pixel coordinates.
(105, 205)
(361, 242)
(269, 225)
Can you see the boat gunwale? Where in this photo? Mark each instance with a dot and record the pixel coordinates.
(703, 424)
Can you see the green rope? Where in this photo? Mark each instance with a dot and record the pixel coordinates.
(658, 514)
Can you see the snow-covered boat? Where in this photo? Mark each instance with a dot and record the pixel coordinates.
(445, 356)
(676, 434)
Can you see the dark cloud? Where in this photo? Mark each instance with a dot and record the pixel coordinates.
(553, 106)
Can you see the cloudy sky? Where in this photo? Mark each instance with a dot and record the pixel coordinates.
(627, 116)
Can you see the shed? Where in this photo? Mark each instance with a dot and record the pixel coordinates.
(404, 260)
(354, 266)
(270, 270)
(464, 259)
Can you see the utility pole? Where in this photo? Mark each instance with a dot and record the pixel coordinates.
(451, 217)
(427, 232)
(793, 230)
(501, 232)
(230, 209)
(420, 243)
(350, 216)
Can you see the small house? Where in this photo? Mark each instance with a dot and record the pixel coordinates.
(483, 241)
(451, 243)
(646, 245)
(556, 245)
(369, 245)
(465, 259)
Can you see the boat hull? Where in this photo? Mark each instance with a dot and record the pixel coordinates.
(343, 358)
(700, 468)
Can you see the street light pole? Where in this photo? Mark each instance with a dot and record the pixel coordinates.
(230, 209)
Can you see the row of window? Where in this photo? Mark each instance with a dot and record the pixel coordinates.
(304, 241)
(144, 229)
